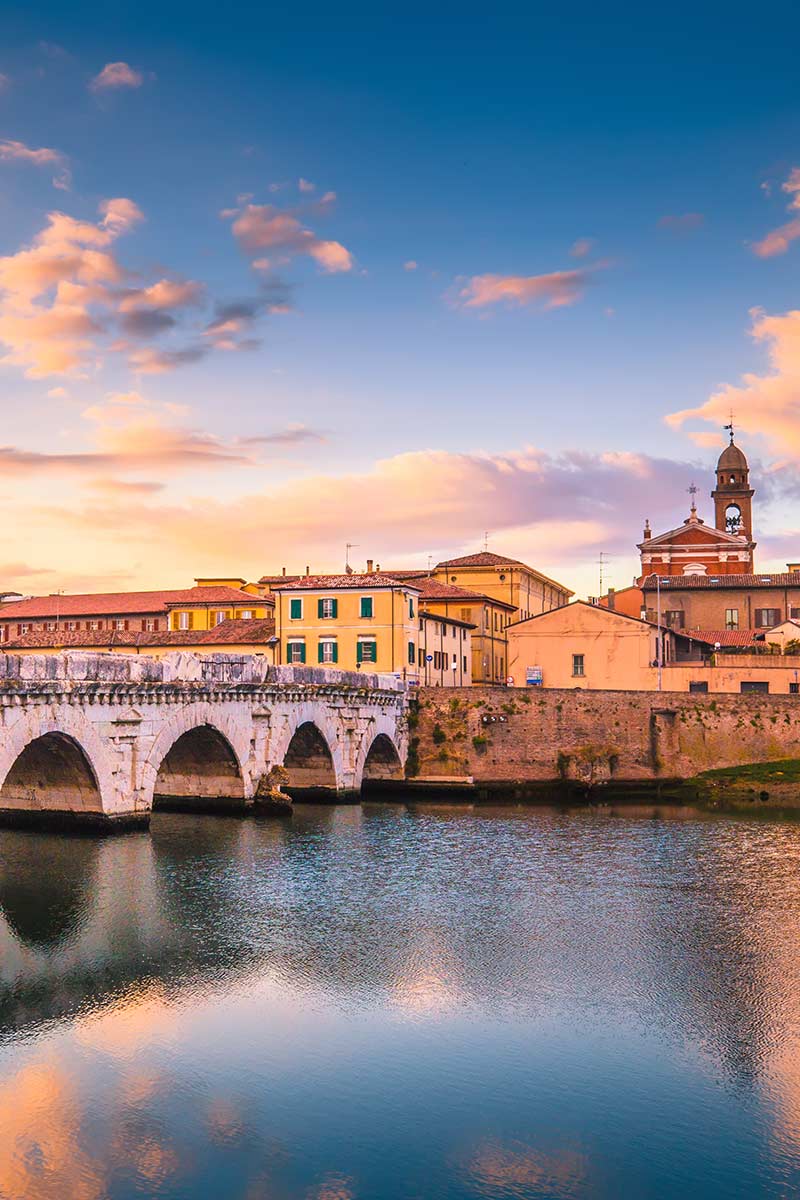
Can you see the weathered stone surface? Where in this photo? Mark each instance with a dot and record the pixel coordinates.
(516, 736)
(99, 736)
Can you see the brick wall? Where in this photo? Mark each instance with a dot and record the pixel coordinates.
(527, 735)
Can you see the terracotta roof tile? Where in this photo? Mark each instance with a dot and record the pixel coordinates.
(680, 582)
(330, 583)
(256, 631)
(484, 559)
(434, 589)
(118, 603)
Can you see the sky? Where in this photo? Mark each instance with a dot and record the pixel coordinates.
(416, 279)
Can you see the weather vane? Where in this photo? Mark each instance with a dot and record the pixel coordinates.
(692, 490)
(729, 427)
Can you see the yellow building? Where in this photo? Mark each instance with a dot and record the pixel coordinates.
(254, 589)
(210, 603)
(489, 617)
(349, 621)
(526, 590)
(445, 650)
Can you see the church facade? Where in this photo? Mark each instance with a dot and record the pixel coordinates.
(695, 548)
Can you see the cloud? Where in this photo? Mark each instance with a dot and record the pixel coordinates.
(146, 323)
(305, 186)
(116, 75)
(556, 290)
(166, 293)
(259, 227)
(411, 265)
(581, 247)
(11, 151)
(766, 405)
(152, 360)
(58, 393)
(682, 223)
(779, 240)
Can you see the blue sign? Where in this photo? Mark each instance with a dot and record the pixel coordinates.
(533, 676)
(428, 658)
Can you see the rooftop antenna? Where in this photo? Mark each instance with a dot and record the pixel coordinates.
(348, 570)
(601, 563)
(430, 564)
(486, 540)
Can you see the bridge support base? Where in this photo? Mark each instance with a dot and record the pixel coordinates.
(322, 795)
(230, 805)
(66, 821)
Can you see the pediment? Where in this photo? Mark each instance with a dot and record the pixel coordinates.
(693, 535)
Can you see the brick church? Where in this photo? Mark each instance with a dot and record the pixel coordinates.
(702, 578)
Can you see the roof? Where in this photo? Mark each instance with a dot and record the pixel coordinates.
(282, 578)
(332, 583)
(696, 525)
(725, 637)
(259, 630)
(119, 603)
(445, 619)
(681, 582)
(484, 559)
(732, 458)
(607, 612)
(433, 589)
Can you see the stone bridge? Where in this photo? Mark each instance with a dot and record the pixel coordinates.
(103, 739)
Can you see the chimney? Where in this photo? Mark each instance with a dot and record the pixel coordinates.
(647, 533)
(612, 597)
(793, 568)
(308, 569)
(284, 570)
(369, 566)
(378, 568)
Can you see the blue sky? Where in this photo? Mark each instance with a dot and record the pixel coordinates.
(585, 196)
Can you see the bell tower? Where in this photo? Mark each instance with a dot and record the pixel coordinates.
(733, 496)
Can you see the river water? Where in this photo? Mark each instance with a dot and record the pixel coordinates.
(389, 1002)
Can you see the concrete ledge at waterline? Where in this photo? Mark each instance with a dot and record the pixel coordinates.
(67, 821)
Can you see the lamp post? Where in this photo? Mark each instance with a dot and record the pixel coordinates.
(659, 655)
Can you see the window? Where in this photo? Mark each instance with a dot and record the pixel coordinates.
(464, 663)
(367, 650)
(296, 651)
(753, 685)
(295, 609)
(794, 689)
(794, 614)
(674, 618)
(411, 606)
(71, 626)
(577, 664)
(367, 611)
(120, 625)
(50, 626)
(24, 628)
(327, 608)
(767, 617)
(466, 615)
(327, 651)
(150, 624)
(731, 618)
(184, 621)
(95, 625)
(247, 614)
(412, 654)
(698, 685)
(219, 617)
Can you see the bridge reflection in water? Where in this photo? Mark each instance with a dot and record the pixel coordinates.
(383, 1001)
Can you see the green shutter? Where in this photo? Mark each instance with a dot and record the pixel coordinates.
(320, 652)
(412, 654)
(295, 611)
(302, 652)
(359, 652)
(335, 651)
(319, 609)
(334, 608)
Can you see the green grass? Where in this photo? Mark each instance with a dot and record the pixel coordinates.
(782, 770)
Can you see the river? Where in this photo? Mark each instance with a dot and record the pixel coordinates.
(392, 1003)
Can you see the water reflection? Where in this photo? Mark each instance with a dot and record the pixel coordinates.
(396, 1002)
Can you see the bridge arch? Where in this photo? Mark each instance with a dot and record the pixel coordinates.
(310, 745)
(57, 766)
(381, 753)
(199, 759)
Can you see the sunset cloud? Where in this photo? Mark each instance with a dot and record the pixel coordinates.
(779, 240)
(260, 227)
(559, 289)
(766, 405)
(11, 151)
(581, 247)
(116, 75)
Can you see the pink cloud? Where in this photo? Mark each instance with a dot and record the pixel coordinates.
(166, 293)
(555, 290)
(11, 151)
(411, 265)
(116, 75)
(305, 185)
(581, 247)
(766, 405)
(259, 227)
(778, 241)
